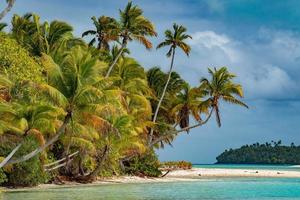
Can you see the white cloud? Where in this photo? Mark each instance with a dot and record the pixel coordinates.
(268, 81)
(212, 41)
(253, 62)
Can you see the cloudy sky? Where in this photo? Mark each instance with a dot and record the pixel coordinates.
(257, 40)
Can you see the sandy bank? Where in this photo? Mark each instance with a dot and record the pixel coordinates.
(193, 174)
(107, 181)
(204, 172)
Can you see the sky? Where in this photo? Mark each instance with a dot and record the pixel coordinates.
(259, 41)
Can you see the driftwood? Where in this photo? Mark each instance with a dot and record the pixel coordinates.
(165, 174)
(71, 156)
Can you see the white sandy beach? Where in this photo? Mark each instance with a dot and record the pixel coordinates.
(193, 174)
(206, 173)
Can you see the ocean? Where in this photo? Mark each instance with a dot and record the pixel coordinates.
(202, 189)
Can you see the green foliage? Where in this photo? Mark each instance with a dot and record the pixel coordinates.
(268, 153)
(3, 177)
(176, 165)
(144, 165)
(29, 173)
(16, 62)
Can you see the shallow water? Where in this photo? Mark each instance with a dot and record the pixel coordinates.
(215, 189)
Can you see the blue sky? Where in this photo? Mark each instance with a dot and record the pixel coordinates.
(257, 40)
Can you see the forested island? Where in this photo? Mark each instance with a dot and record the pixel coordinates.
(267, 153)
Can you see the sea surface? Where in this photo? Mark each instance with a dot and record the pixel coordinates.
(202, 189)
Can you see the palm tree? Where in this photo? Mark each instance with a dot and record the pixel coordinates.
(173, 40)
(2, 26)
(106, 31)
(133, 26)
(47, 38)
(72, 85)
(24, 119)
(10, 4)
(221, 87)
(22, 26)
(189, 102)
(42, 38)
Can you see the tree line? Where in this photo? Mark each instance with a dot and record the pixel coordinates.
(80, 110)
(267, 153)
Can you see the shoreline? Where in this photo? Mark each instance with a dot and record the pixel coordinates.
(194, 174)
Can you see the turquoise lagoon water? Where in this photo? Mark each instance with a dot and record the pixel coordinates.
(212, 189)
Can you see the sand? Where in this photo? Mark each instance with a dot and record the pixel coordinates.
(193, 174)
(207, 173)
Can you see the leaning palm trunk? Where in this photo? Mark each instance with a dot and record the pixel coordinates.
(115, 60)
(93, 175)
(162, 95)
(100, 162)
(60, 131)
(12, 153)
(9, 6)
(159, 139)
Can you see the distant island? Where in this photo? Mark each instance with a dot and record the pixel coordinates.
(267, 153)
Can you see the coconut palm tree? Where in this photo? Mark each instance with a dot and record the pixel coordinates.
(72, 85)
(174, 39)
(189, 102)
(22, 26)
(10, 4)
(47, 38)
(221, 87)
(133, 26)
(24, 119)
(40, 37)
(106, 31)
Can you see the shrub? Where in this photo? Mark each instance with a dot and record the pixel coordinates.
(29, 173)
(3, 177)
(16, 61)
(177, 165)
(146, 165)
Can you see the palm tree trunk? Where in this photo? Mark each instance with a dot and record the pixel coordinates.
(115, 60)
(100, 163)
(157, 140)
(9, 6)
(12, 153)
(162, 95)
(60, 131)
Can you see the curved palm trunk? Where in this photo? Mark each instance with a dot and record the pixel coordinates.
(100, 162)
(12, 153)
(42, 148)
(93, 175)
(7, 9)
(183, 129)
(115, 60)
(162, 95)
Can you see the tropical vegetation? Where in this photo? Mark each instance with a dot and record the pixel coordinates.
(267, 153)
(82, 110)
